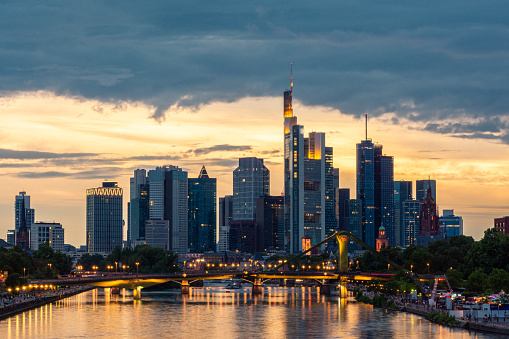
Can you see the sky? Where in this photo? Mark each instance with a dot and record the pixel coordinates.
(93, 90)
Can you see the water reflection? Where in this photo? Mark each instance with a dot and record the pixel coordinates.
(215, 313)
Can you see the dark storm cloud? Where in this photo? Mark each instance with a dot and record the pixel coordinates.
(424, 61)
(34, 155)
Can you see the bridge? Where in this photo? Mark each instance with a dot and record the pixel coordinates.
(137, 282)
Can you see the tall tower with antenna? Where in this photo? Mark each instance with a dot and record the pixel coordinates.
(309, 181)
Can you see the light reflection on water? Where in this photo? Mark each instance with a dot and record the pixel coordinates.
(212, 313)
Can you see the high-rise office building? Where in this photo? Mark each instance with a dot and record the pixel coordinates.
(251, 180)
(410, 214)
(168, 192)
(50, 233)
(421, 189)
(402, 192)
(270, 223)
(157, 233)
(138, 211)
(225, 217)
(331, 185)
(104, 217)
(355, 221)
(202, 213)
(451, 225)
(375, 187)
(342, 214)
(24, 219)
(384, 194)
(309, 182)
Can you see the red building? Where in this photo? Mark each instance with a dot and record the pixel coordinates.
(502, 224)
(429, 224)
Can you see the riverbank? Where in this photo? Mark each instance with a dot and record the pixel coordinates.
(10, 310)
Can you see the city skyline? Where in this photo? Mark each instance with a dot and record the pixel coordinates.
(91, 91)
(49, 187)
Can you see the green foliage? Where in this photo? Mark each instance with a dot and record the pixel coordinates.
(15, 280)
(150, 260)
(455, 278)
(498, 280)
(444, 318)
(477, 281)
(490, 252)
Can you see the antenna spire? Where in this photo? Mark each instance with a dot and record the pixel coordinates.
(366, 126)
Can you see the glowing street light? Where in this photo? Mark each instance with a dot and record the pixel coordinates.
(411, 268)
(137, 264)
(428, 267)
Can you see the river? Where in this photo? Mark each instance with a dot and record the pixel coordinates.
(211, 312)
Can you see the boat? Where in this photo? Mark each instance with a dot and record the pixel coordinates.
(233, 286)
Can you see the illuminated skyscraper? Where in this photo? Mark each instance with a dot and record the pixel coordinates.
(375, 187)
(202, 213)
(402, 192)
(138, 206)
(104, 217)
(309, 182)
(251, 180)
(168, 201)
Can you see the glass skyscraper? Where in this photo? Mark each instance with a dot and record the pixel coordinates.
(411, 222)
(402, 192)
(202, 213)
(138, 206)
(309, 183)
(104, 217)
(251, 180)
(421, 189)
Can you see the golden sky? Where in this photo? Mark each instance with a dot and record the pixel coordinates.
(85, 141)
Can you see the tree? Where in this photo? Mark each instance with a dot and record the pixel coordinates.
(498, 280)
(477, 281)
(14, 280)
(455, 278)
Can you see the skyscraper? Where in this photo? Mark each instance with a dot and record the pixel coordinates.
(309, 182)
(104, 217)
(342, 214)
(411, 216)
(421, 189)
(168, 192)
(24, 218)
(225, 217)
(23, 200)
(402, 192)
(251, 180)
(202, 213)
(270, 223)
(355, 220)
(138, 206)
(366, 189)
(375, 188)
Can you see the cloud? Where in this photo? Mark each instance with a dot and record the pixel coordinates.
(33, 155)
(95, 173)
(425, 63)
(221, 148)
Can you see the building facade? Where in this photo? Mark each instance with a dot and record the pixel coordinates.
(225, 217)
(202, 213)
(411, 216)
(138, 206)
(270, 223)
(451, 225)
(50, 233)
(104, 217)
(502, 224)
(251, 180)
(402, 192)
(421, 189)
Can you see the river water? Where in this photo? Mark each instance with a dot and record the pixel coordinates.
(211, 312)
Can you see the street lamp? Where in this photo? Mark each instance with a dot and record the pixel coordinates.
(24, 272)
(388, 267)
(137, 264)
(428, 267)
(116, 266)
(411, 268)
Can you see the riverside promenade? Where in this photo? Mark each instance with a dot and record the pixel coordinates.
(499, 326)
(10, 306)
